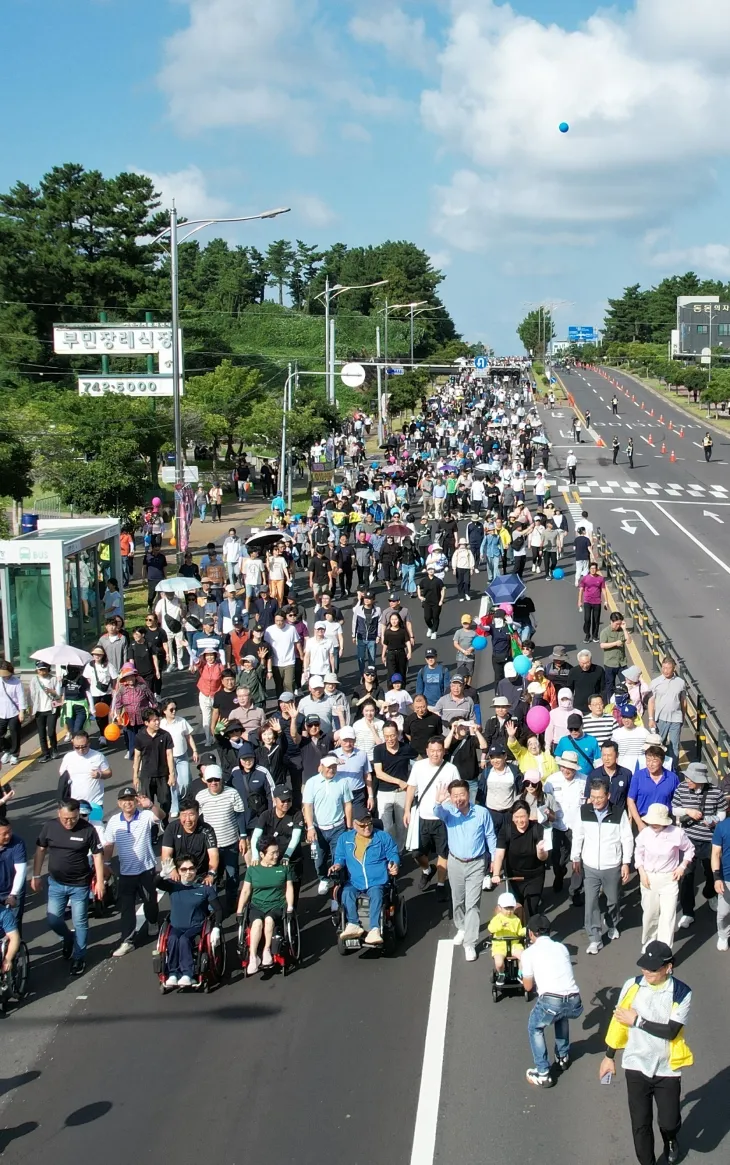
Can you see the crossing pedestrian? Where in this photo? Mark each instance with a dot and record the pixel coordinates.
(616, 447)
(546, 966)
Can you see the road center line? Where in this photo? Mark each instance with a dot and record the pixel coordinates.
(696, 541)
(424, 1134)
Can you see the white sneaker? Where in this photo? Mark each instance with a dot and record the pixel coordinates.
(470, 954)
(12, 760)
(712, 903)
(685, 922)
(487, 882)
(170, 667)
(594, 948)
(267, 960)
(124, 948)
(614, 933)
(171, 981)
(461, 600)
(324, 886)
(253, 965)
(459, 938)
(185, 981)
(722, 944)
(352, 930)
(5, 758)
(468, 598)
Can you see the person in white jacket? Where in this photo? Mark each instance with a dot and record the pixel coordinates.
(603, 846)
(462, 564)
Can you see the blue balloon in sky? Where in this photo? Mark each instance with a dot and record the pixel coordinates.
(563, 127)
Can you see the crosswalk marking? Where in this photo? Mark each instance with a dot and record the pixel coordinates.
(670, 489)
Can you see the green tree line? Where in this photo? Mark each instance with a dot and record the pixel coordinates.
(80, 243)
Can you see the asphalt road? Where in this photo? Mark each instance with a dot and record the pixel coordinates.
(327, 1065)
(668, 521)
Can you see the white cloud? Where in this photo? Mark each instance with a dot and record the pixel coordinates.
(312, 210)
(440, 259)
(643, 93)
(403, 37)
(271, 66)
(189, 190)
(352, 131)
(707, 259)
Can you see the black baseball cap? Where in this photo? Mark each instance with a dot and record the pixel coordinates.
(575, 720)
(539, 924)
(237, 621)
(656, 956)
(127, 793)
(430, 654)
(310, 720)
(497, 750)
(370, 671)
(283, 792)
(369, 595)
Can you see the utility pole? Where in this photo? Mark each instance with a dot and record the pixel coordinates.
(413, 306)
(381, 435)
(327, 339)
(291, 459)
(175, 288)
(331, 395)
(282, 458)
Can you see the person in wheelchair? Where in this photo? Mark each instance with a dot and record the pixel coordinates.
(370, 858)
(505, 925)
(191, 902)
(13, 864)
(267, 892)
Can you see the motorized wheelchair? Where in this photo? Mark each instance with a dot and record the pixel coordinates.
(393, 917)
(209, 964)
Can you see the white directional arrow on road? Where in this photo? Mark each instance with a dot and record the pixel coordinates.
(629, 526)
(709, 514)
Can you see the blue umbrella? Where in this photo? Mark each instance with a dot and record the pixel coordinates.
(506, 588)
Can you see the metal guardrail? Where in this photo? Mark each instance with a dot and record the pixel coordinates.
(711, 740)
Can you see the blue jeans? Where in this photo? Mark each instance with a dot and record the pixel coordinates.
(180, 958)
(77, 717)
(670, 734)
(182, 772)
(551, 1009)
(232, 568)
(365, 654)
(327, 839)
(494, 567)
(408, 577)
(59, 896)
(202, 512)
(349, 901)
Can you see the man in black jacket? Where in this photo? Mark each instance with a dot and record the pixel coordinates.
(586, 680)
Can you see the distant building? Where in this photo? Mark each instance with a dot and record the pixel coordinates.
(703, 323)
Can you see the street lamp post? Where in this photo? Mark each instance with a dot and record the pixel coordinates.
(329, 294)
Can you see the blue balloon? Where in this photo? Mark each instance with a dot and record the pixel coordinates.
(563, 127)
(479, 643)
(522, 665)
(558, 572)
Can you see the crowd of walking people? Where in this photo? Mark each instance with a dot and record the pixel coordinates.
(566, 790)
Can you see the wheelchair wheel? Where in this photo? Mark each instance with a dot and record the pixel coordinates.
(342, 946)
(400, 919)
(294, 942)
(21, 971)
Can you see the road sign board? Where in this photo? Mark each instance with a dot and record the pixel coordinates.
(126, 386)
(353, 375)
(582, 335)
(396, 370)
(481, 362)
(112, 339)
(169, 474)
(481, 372)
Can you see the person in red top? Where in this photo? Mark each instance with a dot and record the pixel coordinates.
(130, 700)
(236, 641)
(591, 593)
(126, 549)
(210, 672)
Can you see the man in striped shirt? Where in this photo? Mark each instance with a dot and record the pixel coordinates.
(224, 811)
(597, 722)
(697, 806)
(130, 831)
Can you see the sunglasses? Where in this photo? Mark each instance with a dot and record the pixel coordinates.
(186, 869)
(171, 708)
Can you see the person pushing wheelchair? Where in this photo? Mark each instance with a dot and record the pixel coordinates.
(369, 857)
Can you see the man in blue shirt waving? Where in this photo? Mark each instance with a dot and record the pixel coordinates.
(471, 837)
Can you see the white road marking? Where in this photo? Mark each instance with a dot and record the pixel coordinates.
(429, 1095)
(690, 535)
(628, 526)
(709, 514)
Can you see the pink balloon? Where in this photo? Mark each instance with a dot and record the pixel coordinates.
(538, 718)
(157, 501)
(507, 608)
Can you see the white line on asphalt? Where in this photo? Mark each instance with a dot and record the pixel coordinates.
(639, 498)
(692, 538)
(429, 1095)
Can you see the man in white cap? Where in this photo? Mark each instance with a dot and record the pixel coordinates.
(462, 564)
(327, 809)
(354, 764)
(318, 654)
(568, 787)
(317, 704)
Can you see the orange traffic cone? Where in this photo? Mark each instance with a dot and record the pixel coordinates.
(642, 404)
(651, 413)
(663, 448)
(671, 425)
(672, 457)
(650, 439)
(661, 419)
(681, 431)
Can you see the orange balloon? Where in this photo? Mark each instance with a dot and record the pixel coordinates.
(112, 732)
(101, 709)
(173, 541)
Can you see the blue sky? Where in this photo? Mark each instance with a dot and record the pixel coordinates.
(433, 120)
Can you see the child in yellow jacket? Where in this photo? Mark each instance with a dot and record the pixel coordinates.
(505, 924)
